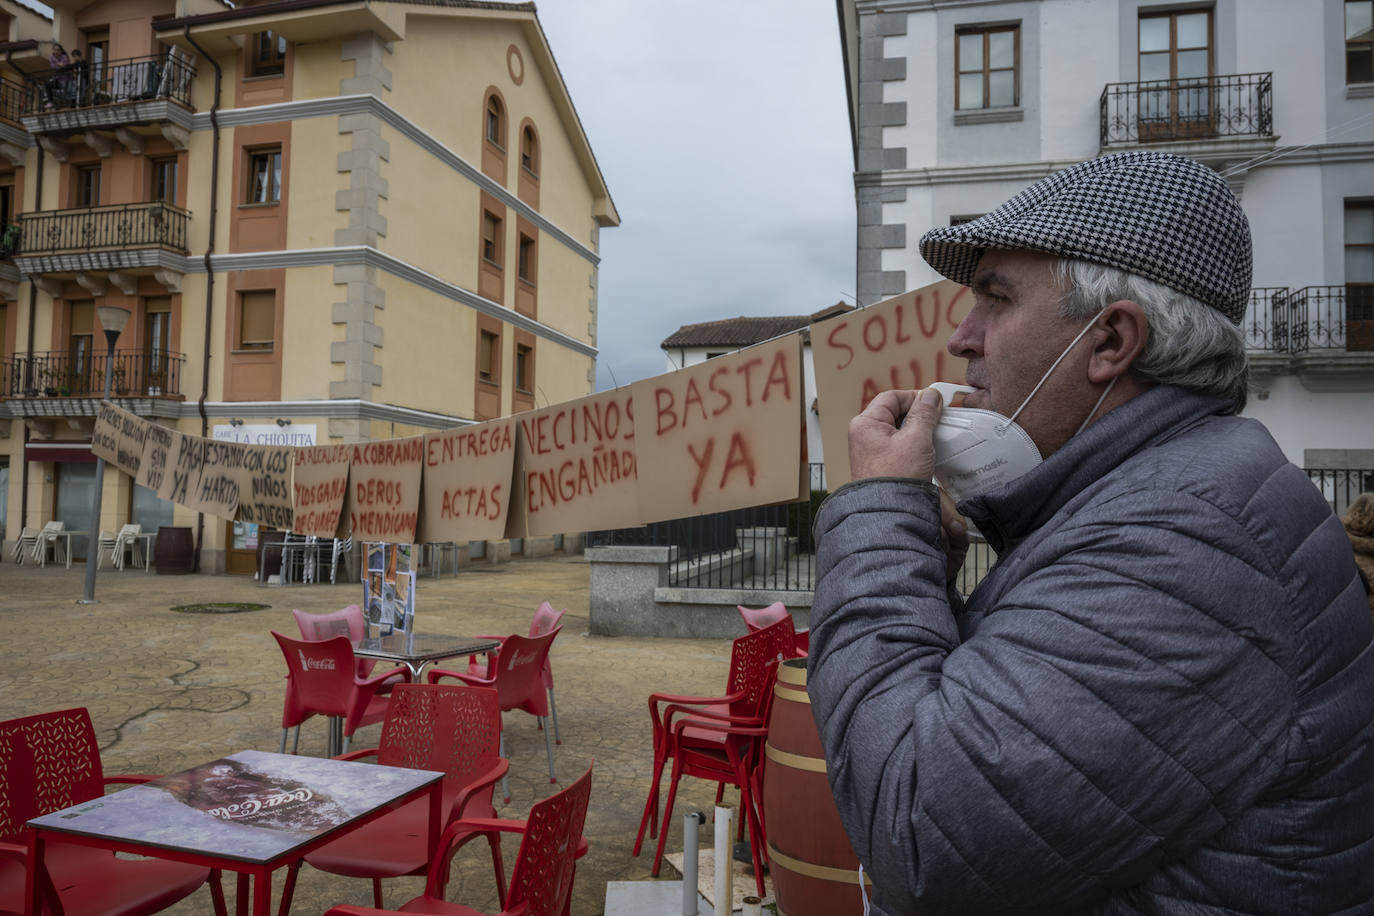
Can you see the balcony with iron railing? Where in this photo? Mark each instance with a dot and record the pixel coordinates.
(1235, 106)
(65, 383)
(1311, 319)
(166, 77)
(136, 237)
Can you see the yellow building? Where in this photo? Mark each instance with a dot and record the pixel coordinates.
(331, 220)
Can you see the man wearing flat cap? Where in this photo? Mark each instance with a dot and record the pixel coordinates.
(1161, 697)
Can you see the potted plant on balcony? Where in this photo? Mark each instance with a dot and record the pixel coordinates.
(49, 381)
(117, 380)
(9, 240)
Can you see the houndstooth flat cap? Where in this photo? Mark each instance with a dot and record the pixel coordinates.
(1161, 216)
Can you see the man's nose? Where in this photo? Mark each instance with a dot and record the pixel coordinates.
(967, 340)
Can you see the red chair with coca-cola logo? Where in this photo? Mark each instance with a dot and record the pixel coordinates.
(544, 621)
(346, 621)
(720, 738)
(545, 867)
(519, 683)
(321, 680)
(49, 762)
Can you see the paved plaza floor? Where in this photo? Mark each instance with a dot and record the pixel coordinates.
(170, 690)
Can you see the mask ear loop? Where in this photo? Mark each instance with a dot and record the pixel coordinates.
(1054, 365)
(1088, 419)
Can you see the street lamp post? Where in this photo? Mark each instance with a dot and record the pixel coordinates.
(112, 320)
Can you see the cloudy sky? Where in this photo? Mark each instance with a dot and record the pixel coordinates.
(722, 130)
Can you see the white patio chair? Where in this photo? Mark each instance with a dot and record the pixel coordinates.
(105, 545)
(122, 542)
(49, 535)
(342, 549)
(24, 544)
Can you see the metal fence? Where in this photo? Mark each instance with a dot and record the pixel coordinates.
(1340, 486)
(134, 373)
(129, 79)
(1283, 320)
(114, 227)
(1236, 105)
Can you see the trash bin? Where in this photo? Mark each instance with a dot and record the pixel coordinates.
(174, 552)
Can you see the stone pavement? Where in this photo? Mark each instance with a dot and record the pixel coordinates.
(170, 690)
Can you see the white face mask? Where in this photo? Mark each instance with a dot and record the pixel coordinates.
(980, 450)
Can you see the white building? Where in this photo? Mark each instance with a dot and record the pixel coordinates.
(955, 105)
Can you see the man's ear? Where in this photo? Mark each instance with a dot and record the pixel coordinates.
(1118, 340)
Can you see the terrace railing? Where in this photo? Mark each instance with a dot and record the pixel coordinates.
(58, 374)
(154, 224)
(1155, 111)
(1332, 318)
(1266, 320)
(130, 79)
(1340, 486)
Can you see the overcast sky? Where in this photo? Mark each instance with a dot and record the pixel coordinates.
(723, 134)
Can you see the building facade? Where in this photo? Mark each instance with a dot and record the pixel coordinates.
(331, 222)
(955, 105)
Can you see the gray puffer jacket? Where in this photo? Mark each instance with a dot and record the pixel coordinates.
(1160, 700)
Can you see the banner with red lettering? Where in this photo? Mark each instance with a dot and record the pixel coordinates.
(577, 469)
(384, 489)
(319, 483)
(896, 343)
(723, 434)
(468, 472)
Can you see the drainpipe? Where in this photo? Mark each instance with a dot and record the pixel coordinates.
(28, 368)
(209, 270)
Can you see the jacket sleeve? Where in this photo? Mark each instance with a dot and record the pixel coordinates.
(1123, 698)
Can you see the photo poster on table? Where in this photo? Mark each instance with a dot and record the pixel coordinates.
(576, 468)
(723, 434)
(389, 587)
(897, 343)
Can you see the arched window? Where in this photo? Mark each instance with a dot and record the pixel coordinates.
(496, 121)
(529, 150)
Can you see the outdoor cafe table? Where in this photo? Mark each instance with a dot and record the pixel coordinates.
(416, 650)
(250, 813)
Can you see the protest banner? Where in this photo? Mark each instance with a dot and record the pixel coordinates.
(723, 434)
(105, 436)
(384, 489)
(264, 479)
(319, 483)
(576, 465)
(467, 475)
(133, 432)
(896, 343)
(205, 475)
(158, 449)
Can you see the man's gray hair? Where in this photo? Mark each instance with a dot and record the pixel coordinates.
(1190, 344)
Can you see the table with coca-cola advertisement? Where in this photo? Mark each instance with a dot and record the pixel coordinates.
(250, 813)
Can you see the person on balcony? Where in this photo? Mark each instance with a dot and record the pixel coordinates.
(80, 70)
(61, 77)
(1161, 697)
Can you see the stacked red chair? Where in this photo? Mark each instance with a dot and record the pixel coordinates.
(720, 738)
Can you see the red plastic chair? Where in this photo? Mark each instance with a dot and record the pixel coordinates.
(451, 728)
(720, 738)
(49, 762)
(518, 683)
(542, 881)
(343, 622)
(758, 618)
(320, 680)
(545, 619)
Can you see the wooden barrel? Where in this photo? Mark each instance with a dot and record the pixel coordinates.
(815, 872)
(174, 551)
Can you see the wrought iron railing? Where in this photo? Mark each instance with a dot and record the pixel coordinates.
(1266, 320)
(1331, 318)
(12, 99)
(1237, 105)
(117, 226)
(130, 79)
(1340, 486)
(59, 374)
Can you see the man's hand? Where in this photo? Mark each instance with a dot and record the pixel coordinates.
(877, 448)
